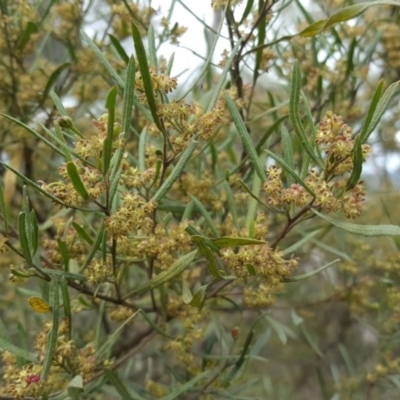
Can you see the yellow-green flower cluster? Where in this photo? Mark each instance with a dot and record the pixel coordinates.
(335, 140)
(132, 215)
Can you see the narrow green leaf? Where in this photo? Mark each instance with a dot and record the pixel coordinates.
(76, 181)
(96, 245)
(112, 339)
(251, 270)
(142, 150)
(154, 325)
(67, 275)
(295, 91)
(363, 230)
(347, 13)
(117, 383)
(199, 296)
(186, 386)
(372, 108)
(277, 327)
(314, 28)
(36, 134)
(120, 50)
(61, 139)
(192, 231)
(145, 73)
(151, 36)
(26, 35)
(380, 109)
(232, 204)
(357, 164)
(62, 247)
(208, 254)
(174, 270)
(188, 211)
(37, 187)
(298, 278)
(176, 172)
(347, 359)
(227, 241)
(6, 345)
(34, 234)
(52, 80)
(290, 171)
(51, 344)
(66, 304)
(245, 137)
(102, 59)
(247, 11)
(248, 190)
(108, 141)
(23, 238)
(75, 388)
(261, 35)
(3, 209)
(291, 249)
(206, 215)
(82, 233)
(242, 357)
(311, 341)
(187, 296)
(288, 154)
(342, 15)
(170, 64)
(127, 107)
(58, 103)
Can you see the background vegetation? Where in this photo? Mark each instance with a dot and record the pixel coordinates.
(212, 237)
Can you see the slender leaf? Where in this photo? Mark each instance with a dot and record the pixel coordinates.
(154, 325)
(151, 36)
(76, 181)
(174, 270)
(288, 169)
(145, 73)
(108, 141)
(96, 245)
(357, 164)
(245, 137)
(6, 345)
(82, 233)
(33, 184)
(380, 109)
(120, 50)
(30, 28)
(186, 386)
(66, 304)
(298, 278)
(176, 172)
(120, 387)
(291, 249)
(363, 230)
(102, 59)
(23, 238)
(103, 350)
(53, 79)
(227, 241)
(295, 91)
(288, 154)
(142, 150)
(58, 103)
(3, 209)
(205, 214)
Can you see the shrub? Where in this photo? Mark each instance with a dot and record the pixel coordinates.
(168, 239)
